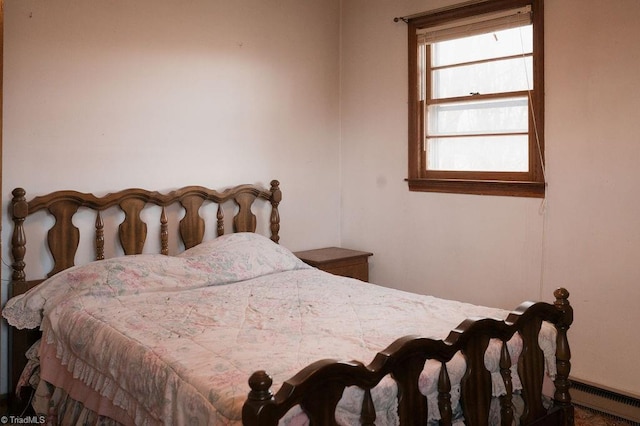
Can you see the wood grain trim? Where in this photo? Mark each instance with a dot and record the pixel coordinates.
(479, 187)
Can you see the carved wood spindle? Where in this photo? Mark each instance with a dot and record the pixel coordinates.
(192, 225)
(276, 197)
(531, 371)
(99, 236)
(19, 211)
(475, 389)
(368, 414)
(132, 231)
(220, 220)
(244, 220)
(64, 237)
(322, 411)
(412, 404)
(444, 396)
(506, 403)
(164, 233)
(562, 397)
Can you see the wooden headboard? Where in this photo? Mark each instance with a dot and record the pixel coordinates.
(63, 238)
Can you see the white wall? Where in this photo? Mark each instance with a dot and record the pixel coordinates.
(105, 95)
(592, 244)
(495, 250)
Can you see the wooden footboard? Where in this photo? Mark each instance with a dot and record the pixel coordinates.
(318, 387)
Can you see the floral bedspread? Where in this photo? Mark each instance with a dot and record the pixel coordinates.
(173, 340)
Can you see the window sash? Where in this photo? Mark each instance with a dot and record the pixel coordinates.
(464, 80)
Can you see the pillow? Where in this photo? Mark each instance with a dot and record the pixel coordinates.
(241, 256)
(224, 260)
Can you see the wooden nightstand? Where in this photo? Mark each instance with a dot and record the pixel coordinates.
(338, 261)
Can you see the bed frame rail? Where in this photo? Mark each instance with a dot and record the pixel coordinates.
(318, 387)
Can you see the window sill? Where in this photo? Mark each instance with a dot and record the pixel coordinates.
(479, 187)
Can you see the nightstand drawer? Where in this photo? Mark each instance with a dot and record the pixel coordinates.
(338, 261)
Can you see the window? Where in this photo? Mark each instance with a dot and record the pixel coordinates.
(476, 99)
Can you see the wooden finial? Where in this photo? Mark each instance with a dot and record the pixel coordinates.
(260, 383)
(562, 297)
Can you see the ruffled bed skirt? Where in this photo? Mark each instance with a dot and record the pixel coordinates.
(61, 409)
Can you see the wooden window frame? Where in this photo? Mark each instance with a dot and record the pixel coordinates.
(521, 184)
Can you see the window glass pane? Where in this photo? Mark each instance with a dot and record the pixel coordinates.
(479, 154)
(508, 115)
(515, 41)
(483, 78)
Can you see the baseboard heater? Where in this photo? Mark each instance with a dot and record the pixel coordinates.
(608, 403)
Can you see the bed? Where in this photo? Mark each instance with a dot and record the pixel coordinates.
(236, 330)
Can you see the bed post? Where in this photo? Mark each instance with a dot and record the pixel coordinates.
(257, 408)
(276, 197)
(19, 340)
(19, 211)
(562, 397)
